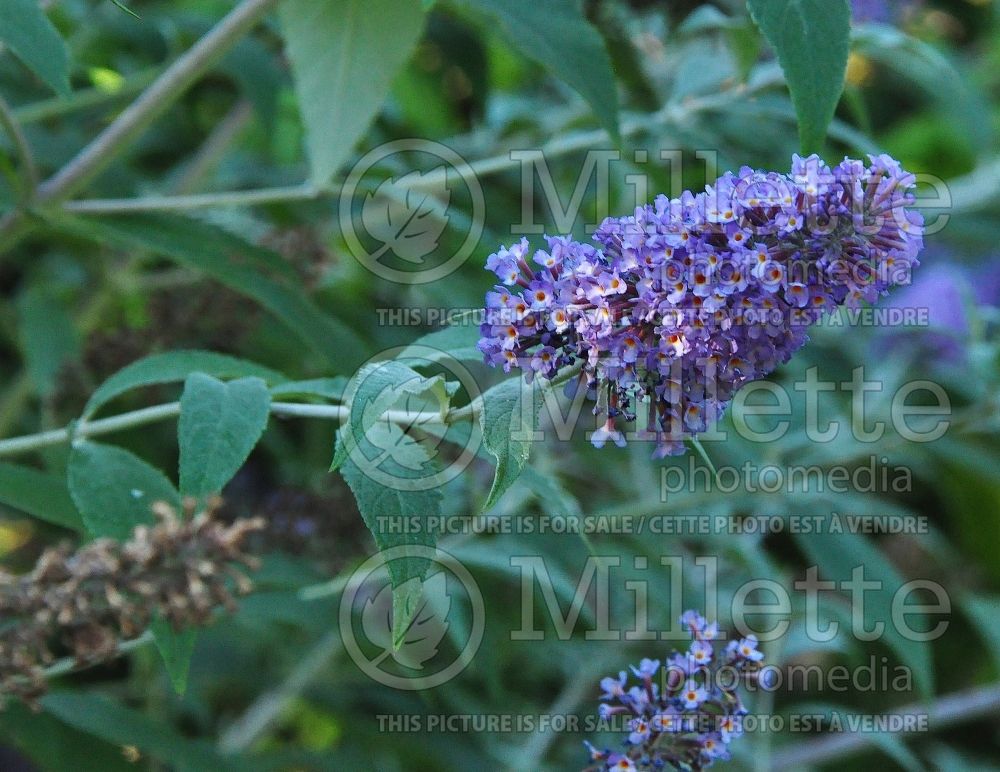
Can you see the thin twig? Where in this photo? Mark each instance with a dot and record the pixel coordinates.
(70, 665)
(148, 415)
(340, 413)
(484, 167)
(260, 196)
(215, 146)
(946, 711)
(84, 98)
(154, 101)
(268, 707)
(136, 118)
(29, 172)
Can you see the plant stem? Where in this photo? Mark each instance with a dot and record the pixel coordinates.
(946, 711)
(154, 101)
(303, 192)
(269, 706)
(148, 415)
(137, 117)
(84, 98)
(29, 172)
(41, 440)
(484, 167)
(70, 665)
(215, 147)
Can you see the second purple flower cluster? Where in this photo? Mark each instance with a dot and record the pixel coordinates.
(684, 714)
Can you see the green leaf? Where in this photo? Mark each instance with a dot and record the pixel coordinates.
(399, 459)
(812, 41)
(27, 31)
(344, 56)
(321, 388)
(407, 222)
(406, 602)
(510, 411)
(381, 506)
(486, 554)
(54, 745)
(100, 716)
(220, 424)
(837, 555)
(556, 34)
(41, 495)
(122, 7)
(172, 367)
(250, 270)
(894, 747)
(984, 612)
(258, 72)
(934, 72)
(970, 487)
(376, 388)
(47, 336)
(115, 490)
(551, 493)
(176, 648)
(455, 342)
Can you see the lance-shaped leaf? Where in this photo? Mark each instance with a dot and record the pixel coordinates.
(508, 417)
(456, 342)
(47, 336)
(812, 41)
(557, 35)
(838, 556)
(344, 56)
(115, 490)
(386, 501)
(253, 271)
(315, 388)
(26, 29)
(220, 424)
(176, 648)
(39, 494)
(109, 719)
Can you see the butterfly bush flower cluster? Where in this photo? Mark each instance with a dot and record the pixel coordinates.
(675, 307)
(684, 714)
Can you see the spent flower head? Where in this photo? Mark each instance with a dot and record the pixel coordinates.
(83, 602)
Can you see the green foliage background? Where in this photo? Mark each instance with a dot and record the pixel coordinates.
(197, 256)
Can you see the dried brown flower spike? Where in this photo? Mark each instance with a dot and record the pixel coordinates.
(82, 603)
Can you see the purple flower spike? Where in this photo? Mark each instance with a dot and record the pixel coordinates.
(685, 301)
(689, 719)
